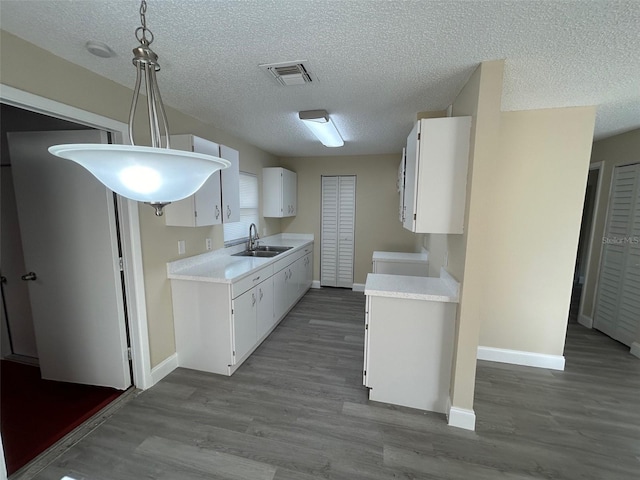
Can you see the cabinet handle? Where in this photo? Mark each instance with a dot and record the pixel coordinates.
(217, 212)
(257, 278)
(261, 295)
(253, 299)
(228, 211)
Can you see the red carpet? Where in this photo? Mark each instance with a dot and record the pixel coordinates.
(37, 413)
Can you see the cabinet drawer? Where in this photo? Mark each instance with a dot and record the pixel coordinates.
(250, 281)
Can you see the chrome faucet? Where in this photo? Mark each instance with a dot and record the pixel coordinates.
(253, 238)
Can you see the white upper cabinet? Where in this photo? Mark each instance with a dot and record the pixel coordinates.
(435, 184)
(219, 195)
(279, 192)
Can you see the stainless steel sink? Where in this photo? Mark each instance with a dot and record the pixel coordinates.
(264, 251)
(256, 253)
(270, 248)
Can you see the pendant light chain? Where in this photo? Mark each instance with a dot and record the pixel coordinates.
(141, 32)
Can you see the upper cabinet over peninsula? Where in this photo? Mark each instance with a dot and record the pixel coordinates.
(435, 175)
(279, 192)
(218, 200)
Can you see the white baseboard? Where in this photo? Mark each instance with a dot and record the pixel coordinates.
(358, 287)
(635, 349)
(164, 368)
(315, 284)
(462, 418)
(585, 321)
(517, 357)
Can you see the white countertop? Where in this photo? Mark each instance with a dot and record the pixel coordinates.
(401, 257)
(220, 266)
(435, 289)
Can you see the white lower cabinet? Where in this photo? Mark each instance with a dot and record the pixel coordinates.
(291, 281)
(218, 325)
(408, 351)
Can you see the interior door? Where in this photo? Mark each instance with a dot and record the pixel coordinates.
(617, 311)
(17, 321)
(67, 222)
(337, 242)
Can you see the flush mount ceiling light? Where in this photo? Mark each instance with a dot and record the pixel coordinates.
(156, 175)
(99, 49)
(321, 126)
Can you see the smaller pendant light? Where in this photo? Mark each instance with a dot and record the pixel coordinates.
(156, 175)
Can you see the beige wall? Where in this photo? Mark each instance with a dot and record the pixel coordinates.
(480, 98)
(617, 150)
(34, 70)
(377, 203)
(533, 223)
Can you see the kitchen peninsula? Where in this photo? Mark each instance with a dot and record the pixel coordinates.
(409, 335)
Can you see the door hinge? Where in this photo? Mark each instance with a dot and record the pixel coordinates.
(365, 373)
(418, 136)
(366, 327)
(414, 216)
(195, 213)
(129, 354)
(121, 264)
(234, 353)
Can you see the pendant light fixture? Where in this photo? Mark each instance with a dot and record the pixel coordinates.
(156, 175)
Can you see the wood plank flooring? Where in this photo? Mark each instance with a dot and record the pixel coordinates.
(296, 410)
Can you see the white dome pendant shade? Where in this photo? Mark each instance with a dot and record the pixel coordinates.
(153, 175)
(144, 174)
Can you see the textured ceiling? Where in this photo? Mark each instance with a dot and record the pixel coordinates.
(377, 62)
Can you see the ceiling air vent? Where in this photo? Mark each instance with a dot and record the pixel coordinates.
(289, 73)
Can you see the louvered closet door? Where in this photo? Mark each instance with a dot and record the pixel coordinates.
(617, 310)
(338, 231)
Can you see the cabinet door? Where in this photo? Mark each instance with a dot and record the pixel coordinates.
(245, 332)
(272, 192)
(230, 185)
(307, 277)
(365, 381)
(411, 178)
(208, 203)
(401, 181)
(292, 283)
(265, 313)
(290, 186)
(280, 293)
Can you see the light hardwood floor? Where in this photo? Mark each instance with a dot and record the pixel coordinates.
(296, 410)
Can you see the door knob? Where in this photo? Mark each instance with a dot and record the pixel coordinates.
(29, 276)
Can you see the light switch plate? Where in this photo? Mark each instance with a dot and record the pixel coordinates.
(207, 243)
(182, 248)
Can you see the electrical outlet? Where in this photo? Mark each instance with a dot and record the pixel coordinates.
(207, 243)
(182, 247)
